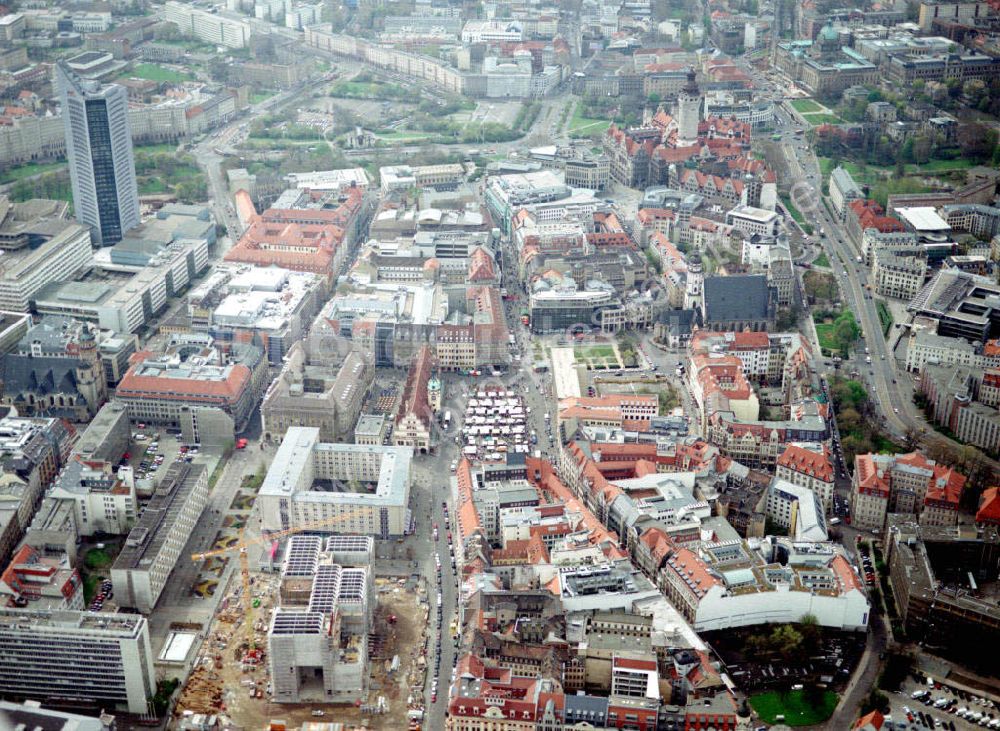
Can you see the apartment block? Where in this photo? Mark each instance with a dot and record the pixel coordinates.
(214, 28)
(154, 545)
(903, 483)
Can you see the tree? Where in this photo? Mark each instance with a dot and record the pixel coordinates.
(977, 141)
(654, 99)
(849, 420)
(786, 641)
(845, 331)
(913, 437)
(812, 634)
(875, 701)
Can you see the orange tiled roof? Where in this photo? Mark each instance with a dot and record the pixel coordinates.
(808, 462)
(989, 507)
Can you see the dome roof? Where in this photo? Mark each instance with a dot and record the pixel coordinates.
(829, 33)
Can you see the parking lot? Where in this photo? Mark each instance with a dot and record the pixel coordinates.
(941, 707)
(830, 663)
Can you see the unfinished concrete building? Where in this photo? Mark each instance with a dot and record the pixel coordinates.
(318, 639)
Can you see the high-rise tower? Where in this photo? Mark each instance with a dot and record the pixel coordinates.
(688, 112)
(99, 148)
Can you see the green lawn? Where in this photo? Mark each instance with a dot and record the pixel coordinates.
(796, 214)
(402, 136)
(884, 316)
(369, 90)
(940, 166)
(825, 334)
(581, 126)
(153, 149)
(20, 172)
(794, 707)
(594, 352)
(152, 186)
(259, 96)
(155, 72)
(822, 118)
(97, 558)
(805, 106)
(822, 261)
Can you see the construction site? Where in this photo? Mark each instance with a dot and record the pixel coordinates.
(231, 677)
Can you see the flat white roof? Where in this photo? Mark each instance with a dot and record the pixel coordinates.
(177, 647)
(923, 218)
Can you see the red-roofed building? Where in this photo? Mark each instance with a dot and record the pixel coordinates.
(904, 483)
(989, 507)
(33, 581)
(864, 214)
(612, 410)
(481, 268)
(302, 239)
(811, 469)
(873, 721)
(162, 389)
(415, 417)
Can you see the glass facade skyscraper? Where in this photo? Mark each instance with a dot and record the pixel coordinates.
(99, 148)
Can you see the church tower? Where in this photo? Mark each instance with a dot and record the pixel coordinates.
(688, 112)
(692, 294)
(90, 377)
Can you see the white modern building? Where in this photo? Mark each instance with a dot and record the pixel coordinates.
(215, 28)
(371, 486)
(492, 31)
(797, 509)
(155, 545)
(752, 220)
(731, 584)
(100, 659)
(102, 502)
(23, 273)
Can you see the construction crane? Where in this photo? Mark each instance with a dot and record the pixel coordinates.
(243, 543)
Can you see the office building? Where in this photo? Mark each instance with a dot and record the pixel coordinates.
(797, 509)
(810, 467)
(99, 149)
(312, 393)
(320, 631)
(155, 544)
(40, 246)
(272, 306)
(101, 660)
(191, 374)
(366, 488)
(964, 305)
(31, 715)
(929, 571)
(36, 581)
(101, 500)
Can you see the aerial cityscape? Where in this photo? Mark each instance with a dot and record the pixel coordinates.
(578, 365)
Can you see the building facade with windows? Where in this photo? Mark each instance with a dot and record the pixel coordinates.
(99, 659)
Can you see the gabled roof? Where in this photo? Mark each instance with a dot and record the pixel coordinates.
(807, 462)
(989, 507)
